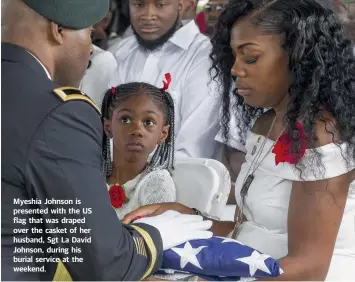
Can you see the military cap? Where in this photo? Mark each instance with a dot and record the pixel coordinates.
(73, 14)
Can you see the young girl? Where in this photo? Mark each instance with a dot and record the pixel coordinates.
(139, 118)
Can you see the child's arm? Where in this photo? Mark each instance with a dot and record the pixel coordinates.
(157, 187)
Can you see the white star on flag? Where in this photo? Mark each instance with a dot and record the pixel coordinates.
(188, 255)
(229, 240)
(256, 261)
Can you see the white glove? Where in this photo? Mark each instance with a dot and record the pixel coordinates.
(176, 228)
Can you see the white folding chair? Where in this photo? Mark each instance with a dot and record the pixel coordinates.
(196, 185)
(221, 198)
(217, 198)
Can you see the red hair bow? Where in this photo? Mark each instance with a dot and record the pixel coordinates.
(113, 90)
(167, 82)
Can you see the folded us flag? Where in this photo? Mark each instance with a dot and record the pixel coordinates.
(219, 258)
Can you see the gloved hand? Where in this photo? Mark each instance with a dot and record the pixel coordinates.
(176, 228)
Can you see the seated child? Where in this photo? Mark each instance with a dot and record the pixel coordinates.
(139, 118)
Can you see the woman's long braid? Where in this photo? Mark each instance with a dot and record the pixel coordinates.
(163, 156)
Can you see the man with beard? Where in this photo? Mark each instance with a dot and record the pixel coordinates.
(163, 45)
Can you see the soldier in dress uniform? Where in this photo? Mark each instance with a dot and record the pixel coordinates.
(51, 152)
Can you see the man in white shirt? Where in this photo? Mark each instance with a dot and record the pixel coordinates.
(162, 45)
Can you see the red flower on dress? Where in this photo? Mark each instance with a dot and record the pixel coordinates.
(117, 196)
(282, 147)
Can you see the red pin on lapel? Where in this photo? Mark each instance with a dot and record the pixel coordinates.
(166, 82)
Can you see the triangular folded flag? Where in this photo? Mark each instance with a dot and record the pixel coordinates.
(220, 258)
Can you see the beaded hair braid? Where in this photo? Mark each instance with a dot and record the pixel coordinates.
(164, 154)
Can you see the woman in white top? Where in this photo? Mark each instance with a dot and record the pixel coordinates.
(296, 190)
(139, 118)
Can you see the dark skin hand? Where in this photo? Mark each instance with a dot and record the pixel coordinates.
(219, 228)
(156, 209)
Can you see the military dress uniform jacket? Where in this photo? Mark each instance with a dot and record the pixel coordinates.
(51, 150)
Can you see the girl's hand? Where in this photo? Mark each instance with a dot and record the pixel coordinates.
(155, 209)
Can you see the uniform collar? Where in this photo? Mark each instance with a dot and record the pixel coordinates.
(18, 54)
(185, 35)
(45, 69)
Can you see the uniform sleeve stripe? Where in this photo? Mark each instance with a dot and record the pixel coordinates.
(139, 242)
(144, 252)
(153, 251)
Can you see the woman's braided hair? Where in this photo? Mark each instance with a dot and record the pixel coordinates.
(163, 156)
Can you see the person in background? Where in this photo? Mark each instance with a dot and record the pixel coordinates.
(188, 13)
(212, 10)
(51, 150)
(101, 35)
(345, 10)
(101, 66)
(121, 25)
(102, 63)
(201, 22)
(163, 45)
(138, 118)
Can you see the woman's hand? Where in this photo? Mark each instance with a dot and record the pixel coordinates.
(156, 209)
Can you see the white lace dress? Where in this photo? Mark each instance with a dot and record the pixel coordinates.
(267, 204)
(155, 187)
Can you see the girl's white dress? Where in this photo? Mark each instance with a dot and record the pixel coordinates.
(267, 205)
(155, 187)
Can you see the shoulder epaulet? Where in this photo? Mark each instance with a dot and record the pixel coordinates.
(71, 93)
